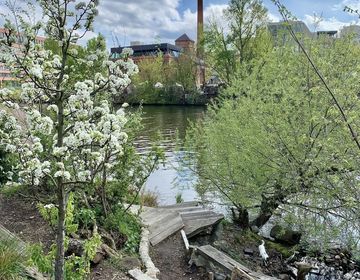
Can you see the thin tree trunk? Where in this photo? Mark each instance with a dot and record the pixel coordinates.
(103, 192)
(61, 198)
(241, 217)
(60, 236)
(267, 208)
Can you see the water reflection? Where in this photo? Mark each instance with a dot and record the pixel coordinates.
(170, 121)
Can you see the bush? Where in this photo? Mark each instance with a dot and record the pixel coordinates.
(128, 226)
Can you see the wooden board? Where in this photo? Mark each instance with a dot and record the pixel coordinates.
(183, 204)
(195, 225)
(165, 230)
(228, 264)
(166, 220)
(6, 235)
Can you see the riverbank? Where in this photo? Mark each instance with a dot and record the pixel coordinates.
(164, 96)
(21, 217)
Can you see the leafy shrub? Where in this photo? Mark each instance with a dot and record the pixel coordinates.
(39, 259)
(128, 226)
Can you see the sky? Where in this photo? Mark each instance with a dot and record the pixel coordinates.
(153, 21)
(149, 21)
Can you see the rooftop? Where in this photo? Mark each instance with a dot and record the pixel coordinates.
(184, 37)
(148, 50)
(149, 47)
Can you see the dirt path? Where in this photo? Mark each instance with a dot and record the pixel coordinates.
(170, 258)
(23, 219)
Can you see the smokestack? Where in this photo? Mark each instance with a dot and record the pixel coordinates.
(200, 51)
(200, 27)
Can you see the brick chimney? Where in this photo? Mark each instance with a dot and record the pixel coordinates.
(200, 26)
(199, 48)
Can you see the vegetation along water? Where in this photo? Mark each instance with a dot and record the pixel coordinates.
(85, 177)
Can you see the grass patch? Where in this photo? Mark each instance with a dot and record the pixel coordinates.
(247, 237)
(11, 261)
(285, 251)
(150, 199)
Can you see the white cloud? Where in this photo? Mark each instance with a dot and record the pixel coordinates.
(88, 35)
(354, 4)
(273, 18)
(316, 24)
(142, 20)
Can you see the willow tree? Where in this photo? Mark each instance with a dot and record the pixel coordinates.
(74, 139)
(281, 145)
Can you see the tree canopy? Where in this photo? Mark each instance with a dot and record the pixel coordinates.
(275, 143)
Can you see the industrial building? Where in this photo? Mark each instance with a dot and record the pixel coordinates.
(146, 51)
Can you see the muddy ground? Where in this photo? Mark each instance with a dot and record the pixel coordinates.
(171, 258)
(21, 217)
(243, 247)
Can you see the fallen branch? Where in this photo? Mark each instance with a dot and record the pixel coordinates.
(151, 269)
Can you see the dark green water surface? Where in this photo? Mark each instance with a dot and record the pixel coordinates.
(167, 180)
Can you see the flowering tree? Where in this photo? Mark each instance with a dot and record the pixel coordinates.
(72, 137)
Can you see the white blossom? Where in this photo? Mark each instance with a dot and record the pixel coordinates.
(36, 71)
(94, 135)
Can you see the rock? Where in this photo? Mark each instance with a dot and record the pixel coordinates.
(248, 251)
(303, 270)
(99, 256)
(220, 276)
(284, 277)
(139, 275)
(222, 244)
(284, 235)
(255, 229)
(218, 232)
(130, 263)
(75, 247)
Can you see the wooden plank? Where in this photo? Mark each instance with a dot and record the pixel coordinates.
(200, 216)
(186, 241)
(167, 232)
(6, 235)
(193, 227)
(181, 205)
(196, 213)
(227, 263)
(161, 217)
(186, 209)
(152, 212)
(165, 222)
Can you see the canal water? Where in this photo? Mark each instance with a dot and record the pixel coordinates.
(171, 122)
